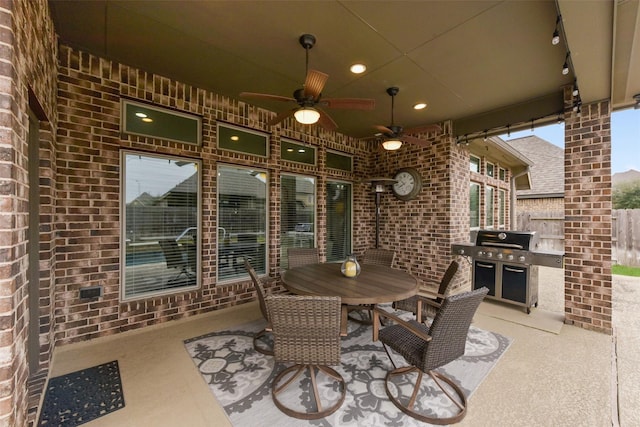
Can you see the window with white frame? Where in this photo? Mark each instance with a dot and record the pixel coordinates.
(474, 205)
(489, 206)
(490, 170)
(474, 164)
(502, 208)
(297, 210)
(242, 220)
(339, 220)
(161, 224)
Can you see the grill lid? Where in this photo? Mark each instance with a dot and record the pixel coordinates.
(523, 240)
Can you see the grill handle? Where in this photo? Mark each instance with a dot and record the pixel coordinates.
(485, 265)
(514, 270)
(502, 245)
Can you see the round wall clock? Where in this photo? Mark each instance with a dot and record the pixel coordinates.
(408, 185)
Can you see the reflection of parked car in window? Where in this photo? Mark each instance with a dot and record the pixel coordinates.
(304, 227)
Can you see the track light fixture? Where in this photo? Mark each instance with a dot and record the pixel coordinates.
(636, 98)
(565, 66)
(556, 35)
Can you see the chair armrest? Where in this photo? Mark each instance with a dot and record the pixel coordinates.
(377, 313)
(427, 300)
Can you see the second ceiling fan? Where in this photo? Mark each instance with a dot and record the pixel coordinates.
(309, 97)
(395, 136)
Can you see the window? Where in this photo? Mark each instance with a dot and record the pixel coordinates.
(502, 174)
(298, 207)
(298, 153)
(490, 170)
(339, 203)
(340, 161)
(474, 164)
(242, 221)
(489, 206)
(474, 205)
(158, 122)
(235, 138)
(502, 205)
(161, 226)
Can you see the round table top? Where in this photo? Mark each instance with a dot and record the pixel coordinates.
(376, 284)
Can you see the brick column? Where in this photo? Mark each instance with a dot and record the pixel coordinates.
(587, 168)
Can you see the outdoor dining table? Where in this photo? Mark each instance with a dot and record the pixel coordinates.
(375, 284)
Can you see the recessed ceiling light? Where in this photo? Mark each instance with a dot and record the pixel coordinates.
(290, 150)
(139, 114)
(420, 106)
(235, 138)
(358, 68)
(147, 119)
(301, 150)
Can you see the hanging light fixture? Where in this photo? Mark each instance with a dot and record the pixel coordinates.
(565, 66)
(556, 35)
(636, 98)
(307, 115)
(391, 144)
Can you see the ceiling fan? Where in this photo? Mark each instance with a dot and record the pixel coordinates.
(395, 135)
(309, 97)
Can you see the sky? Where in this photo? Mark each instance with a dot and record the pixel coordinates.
(625, 139)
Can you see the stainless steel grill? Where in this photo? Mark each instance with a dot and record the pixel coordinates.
(507, 263)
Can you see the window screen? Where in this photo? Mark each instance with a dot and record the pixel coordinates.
(161, 224)
(298, 207)
(242, 221)
(489, 206)
(474, 205)
(339, 205)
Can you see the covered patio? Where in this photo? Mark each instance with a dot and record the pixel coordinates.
(82, 253)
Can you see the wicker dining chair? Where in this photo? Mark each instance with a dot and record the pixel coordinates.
(428, 306)
(372, 256)
(306, 332)
(426, 348)
(376, 256)
(263, 336)
(302, 256)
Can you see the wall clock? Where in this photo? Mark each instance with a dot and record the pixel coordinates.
(408, 185)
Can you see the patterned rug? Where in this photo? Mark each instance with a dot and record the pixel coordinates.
(240, 377)
(79, 397)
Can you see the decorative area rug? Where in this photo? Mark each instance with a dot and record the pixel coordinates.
(82, 396)
(240, 378)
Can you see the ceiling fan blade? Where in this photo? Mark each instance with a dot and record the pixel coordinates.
(326, 121)
(281, 116)
(427, 128)
(350, 103)
(266, 97)
(314, 83)
(415, 141)
(383, 129)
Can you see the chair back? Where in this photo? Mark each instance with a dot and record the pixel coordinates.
(450, 328)
(382, 257)
(447, 279)
(172, 253)
(306, 329)
(257, 284)
(302, 256)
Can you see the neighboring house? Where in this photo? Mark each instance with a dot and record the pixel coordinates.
(547, 176)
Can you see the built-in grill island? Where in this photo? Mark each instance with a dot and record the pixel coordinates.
(507, 263)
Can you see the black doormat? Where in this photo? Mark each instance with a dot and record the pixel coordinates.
(79, 397)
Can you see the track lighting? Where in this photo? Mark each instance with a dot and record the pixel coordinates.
(565, 66)
(307, 115)
(636, 98)
(556, 35)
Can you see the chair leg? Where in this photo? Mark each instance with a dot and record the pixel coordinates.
(438, 378)
(261, 348)
(320, 412)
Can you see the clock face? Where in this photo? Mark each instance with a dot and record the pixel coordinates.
(408, 185)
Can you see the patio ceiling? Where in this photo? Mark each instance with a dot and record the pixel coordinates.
(482, 64)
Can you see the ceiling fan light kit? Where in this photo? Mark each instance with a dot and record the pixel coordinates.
(307, 115)
(391, 144)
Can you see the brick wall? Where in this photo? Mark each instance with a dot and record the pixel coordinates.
(588, 216)
(27, 80)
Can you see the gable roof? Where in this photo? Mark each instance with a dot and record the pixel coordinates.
(547, 171)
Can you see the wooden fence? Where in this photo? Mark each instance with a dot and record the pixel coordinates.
(625, 233)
